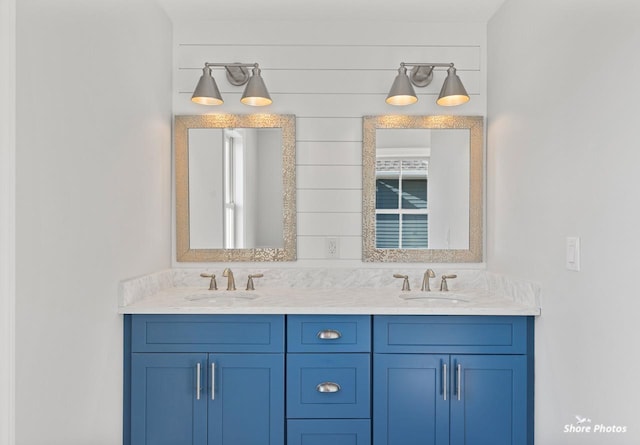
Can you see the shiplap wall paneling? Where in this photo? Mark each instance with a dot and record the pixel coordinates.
(329, 75)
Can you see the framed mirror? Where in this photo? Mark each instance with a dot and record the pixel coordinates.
(422, 189)
(235, 187)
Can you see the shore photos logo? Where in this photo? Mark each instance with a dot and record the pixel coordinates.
(583, 425)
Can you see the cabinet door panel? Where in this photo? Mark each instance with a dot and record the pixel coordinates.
(248, 404)
(492, 405)
(164, 404)
(409, 407)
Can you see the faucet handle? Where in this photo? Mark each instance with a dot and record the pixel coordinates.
(443, 284)
(212, 284)
(405, 283)
(250, 280)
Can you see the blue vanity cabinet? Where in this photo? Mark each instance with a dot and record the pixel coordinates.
(204, 380)
(340, 380)
(452, 380)
(328, 382)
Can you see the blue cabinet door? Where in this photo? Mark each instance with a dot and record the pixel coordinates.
(489, 405)
(245, 394)
(166, 408)
(411, 400)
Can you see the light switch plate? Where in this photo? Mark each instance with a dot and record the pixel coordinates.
(573, 253)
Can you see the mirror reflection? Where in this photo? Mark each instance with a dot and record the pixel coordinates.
(235, 188)
(422, 188)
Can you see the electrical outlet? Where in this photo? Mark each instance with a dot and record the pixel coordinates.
(331, 248)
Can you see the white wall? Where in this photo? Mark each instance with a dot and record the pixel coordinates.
(93, 204)
(563, 161)
(7, 219)
(330, 75)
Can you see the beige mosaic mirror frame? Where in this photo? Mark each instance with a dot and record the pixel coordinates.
(475, 125)
(181, 131)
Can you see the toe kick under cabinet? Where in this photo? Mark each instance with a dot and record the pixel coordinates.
(328, 379)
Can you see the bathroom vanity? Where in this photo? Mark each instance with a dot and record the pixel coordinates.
(350, 366)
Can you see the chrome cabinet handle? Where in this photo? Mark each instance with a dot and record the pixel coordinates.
(197, 381)
(444, 381)
(213, 381)
(459, 369)
(328, 387)
(329, 334)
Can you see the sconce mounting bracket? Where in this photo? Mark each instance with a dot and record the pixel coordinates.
(421, 75)
(237, 75)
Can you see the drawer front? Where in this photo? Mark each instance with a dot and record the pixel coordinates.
(208, 333)
(328, 333)
(329, 432)
(328, 385)
(451, 334)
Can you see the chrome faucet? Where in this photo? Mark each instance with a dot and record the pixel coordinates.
(212, 284)
(443, 284)
(250, 280)
(429, 273)
(231, 282)
(405, 283)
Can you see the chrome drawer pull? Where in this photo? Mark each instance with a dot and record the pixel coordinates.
(213, 380)
(328, 387)
(329, 334)
(197, 381)
(444, 381)
(459, 380)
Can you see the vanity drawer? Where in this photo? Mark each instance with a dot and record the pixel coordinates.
(329, 432)
(207, 333)
(451, 334)
(328, 333)
(328, 385)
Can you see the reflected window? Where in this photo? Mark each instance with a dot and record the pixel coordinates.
(402, 213)
(234, 179)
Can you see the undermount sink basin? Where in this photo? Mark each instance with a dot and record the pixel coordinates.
(433, 298)
(215, 296)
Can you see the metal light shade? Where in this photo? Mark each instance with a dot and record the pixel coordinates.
(402, 92)
(452, 92)
(206, 92)
(256, 94)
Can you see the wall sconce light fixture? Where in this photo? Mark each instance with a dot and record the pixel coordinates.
(402, 92)
(255, 93)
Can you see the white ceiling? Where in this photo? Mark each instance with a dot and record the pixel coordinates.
(320, 10)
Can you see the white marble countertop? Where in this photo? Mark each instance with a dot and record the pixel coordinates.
(316, 291)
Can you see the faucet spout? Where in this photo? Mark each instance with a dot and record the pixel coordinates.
(429, 273)
(231, 282)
